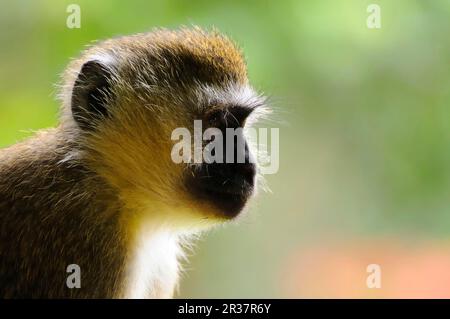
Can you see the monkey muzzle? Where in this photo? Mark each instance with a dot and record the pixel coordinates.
(227, 186)
(229, 183)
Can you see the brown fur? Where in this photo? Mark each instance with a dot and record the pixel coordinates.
(79, 196)
(54, 214)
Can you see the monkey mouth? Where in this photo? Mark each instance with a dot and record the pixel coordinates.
(226, 186)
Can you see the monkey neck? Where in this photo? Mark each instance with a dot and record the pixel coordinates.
(67, 214)
(154, 246)
(152, 267)
(150, 240)
(151, 247)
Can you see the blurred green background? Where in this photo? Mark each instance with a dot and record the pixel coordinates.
(364, 117)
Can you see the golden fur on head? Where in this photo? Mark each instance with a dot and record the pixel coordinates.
(164, 56)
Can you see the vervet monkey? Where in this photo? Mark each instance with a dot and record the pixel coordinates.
(101, 190)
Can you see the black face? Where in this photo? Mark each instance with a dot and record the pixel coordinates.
(227, 185)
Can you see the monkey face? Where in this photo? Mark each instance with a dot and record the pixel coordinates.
(129, 102)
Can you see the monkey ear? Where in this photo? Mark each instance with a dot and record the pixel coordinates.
(91, 93)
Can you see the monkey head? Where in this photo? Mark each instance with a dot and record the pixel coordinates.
(122, 101)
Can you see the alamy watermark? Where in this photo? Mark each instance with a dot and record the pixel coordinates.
(374, 19)
(74, 279)
(211, 146)
(374, 278)
(73, 20)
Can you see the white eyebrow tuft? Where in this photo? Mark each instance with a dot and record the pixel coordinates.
(104, 58)
(238, 95)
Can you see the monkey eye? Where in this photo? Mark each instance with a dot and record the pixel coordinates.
(232, 116)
